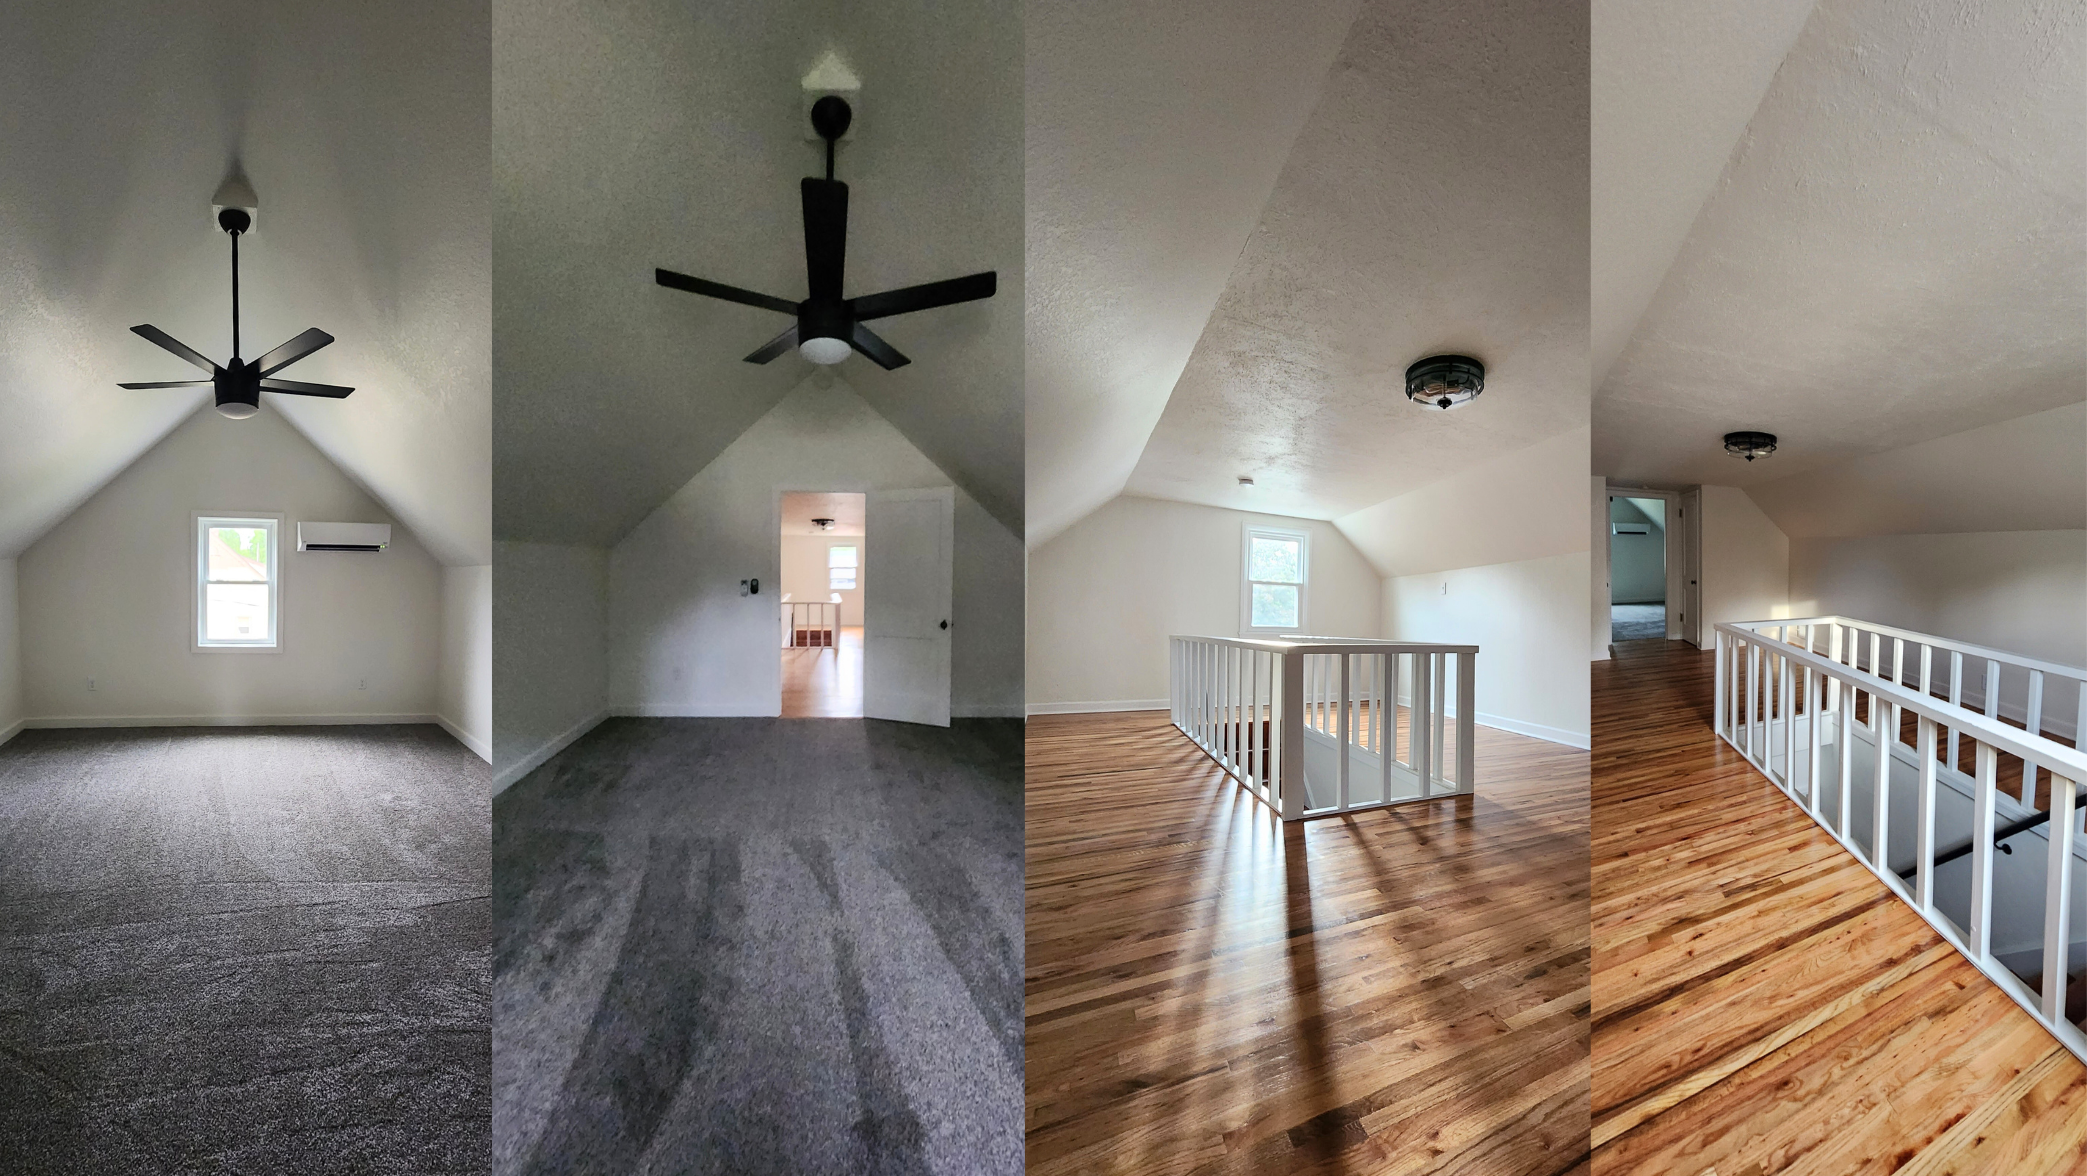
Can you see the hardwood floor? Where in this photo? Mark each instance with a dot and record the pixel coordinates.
(824, 683)
(1761, 1003)
(1209, 991)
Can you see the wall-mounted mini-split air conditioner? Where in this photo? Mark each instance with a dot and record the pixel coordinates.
(343, 536)
(1633, 529)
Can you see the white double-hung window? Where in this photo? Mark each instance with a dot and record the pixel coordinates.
(238, 585)
(841, 565)
(1272, 587)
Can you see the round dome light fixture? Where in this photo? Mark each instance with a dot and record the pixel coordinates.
(1749, 444)
(823, 524)
(824, 350)
(1445, 381)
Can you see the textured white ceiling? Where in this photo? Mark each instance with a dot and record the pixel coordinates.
(1155, 133)
(1896, 252)
(363, 128)
(847, 511)
(1673, 88)
(1436, 201)
(666, 134)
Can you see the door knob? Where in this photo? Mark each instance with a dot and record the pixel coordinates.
(945, 624)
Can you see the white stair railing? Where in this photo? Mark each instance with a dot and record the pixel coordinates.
(1818, 705)
(1314, 726)
(811, 623)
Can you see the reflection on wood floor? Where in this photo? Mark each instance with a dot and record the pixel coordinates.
(1761, 1002)
(824, 683)
(1400, 990)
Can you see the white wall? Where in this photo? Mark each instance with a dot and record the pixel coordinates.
(684, 641)
(1521, 505)
(1638, 563)
(1531, 676)
(10, 654)
(1106, 593)
(2020, 591)
(804, 571)
(550, 651)
(464, 674)
(108, 593)
(1746, 563)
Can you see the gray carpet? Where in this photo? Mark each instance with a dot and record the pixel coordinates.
(1637, 622)
(254, 950)
(762, 946)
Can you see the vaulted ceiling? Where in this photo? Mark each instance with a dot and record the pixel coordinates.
(1247, 220)
(1894, 250)
(363, 129)
(658, 134)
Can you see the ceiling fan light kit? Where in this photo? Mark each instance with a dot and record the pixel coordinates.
(238, 383)
(828, 325)
(1749, 444)
(1445, 381)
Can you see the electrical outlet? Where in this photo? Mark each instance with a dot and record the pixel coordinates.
(90, 685)
(1445, 587)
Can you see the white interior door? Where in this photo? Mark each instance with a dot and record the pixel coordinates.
(909, 545)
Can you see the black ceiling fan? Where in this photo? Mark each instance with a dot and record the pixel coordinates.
(240, 382)
(828, 324)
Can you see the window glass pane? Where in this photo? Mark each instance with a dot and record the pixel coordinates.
(235, 612)
(841, 579)
(840, 557)
(239, 554)
(1275, 604)
(1275, 559)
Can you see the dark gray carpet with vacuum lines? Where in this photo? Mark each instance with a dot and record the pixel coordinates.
(252, 950)
(762, 946)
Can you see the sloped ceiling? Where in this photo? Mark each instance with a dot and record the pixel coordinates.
(1436, 201)
(1896, 250)
(654, 133)
(363, 128)
(1155, 134)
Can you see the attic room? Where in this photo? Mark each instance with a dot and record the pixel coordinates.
(1840, 334)
(1249, 226)
(245, 661)
(736, 930)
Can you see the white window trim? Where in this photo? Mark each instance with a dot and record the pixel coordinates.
(1247, 628)
(200, 523)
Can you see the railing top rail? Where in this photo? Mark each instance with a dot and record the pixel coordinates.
(1329, 644)
(2062, 760)
(1966, 648)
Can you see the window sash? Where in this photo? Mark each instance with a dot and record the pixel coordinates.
(1249, 583)
(226, 590)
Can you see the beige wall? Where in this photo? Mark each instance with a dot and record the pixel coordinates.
(108, 594)
(10, 654)
(1746, 562)
(550, 651)
(1106, 593)
(804, 571)
(1521, 505)
(464, 677)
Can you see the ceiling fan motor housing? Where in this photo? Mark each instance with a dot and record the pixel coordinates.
(238, 389)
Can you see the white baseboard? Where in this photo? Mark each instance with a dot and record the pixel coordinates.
(12, 730)
(1013, 710)
(68, 721)
(688, 710)
(457, 732)
(546, 750)
(1089, 708)
(1533, 730)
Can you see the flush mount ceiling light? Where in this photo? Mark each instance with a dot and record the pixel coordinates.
(1749, 444)
(823, 524)
(828, 325)
(1445, 381)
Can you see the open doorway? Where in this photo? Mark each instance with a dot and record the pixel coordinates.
(1641, 606)
(824, 536)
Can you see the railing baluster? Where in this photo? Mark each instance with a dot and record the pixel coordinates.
(1341, 742)
(2058, 900)
(1846, 735)
(2034, 716)
(1718, 642)
(1880, 828)
(1981, 929)
(1956, 698)
(1924, 820)
(1439, 696)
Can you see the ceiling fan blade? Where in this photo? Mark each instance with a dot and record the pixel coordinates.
(170, 384)
(296, 389)
(719, 290)
(292, 351)
(883, 354)
(148, 331)
(905, 301)
(775, 346)
(825, 236)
